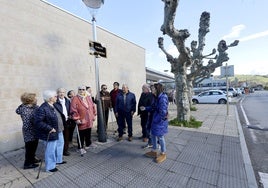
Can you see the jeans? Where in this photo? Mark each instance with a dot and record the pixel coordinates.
(59, 148)
(50, 154)
(162, 143)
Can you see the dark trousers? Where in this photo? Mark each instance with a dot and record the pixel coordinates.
(122, 118)
(85, 136)
(71, 127)
(118, 122)
(66, 135)
(105, 117)
(30, 149)
(144, 119)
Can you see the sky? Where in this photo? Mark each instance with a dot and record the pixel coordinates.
(139, 22)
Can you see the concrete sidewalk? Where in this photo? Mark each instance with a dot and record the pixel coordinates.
(211, 156)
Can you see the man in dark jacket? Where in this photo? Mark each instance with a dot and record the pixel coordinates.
(63, 107)
(106, 103)
(125, 107)
(145, 100)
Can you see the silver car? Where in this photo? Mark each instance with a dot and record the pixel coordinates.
(211, 96)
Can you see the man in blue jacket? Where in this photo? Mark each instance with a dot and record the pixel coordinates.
(124, 109)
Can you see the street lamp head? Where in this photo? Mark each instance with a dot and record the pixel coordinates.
(94, 4)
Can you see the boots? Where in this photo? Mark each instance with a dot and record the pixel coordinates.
(162, 157)
(152, 154)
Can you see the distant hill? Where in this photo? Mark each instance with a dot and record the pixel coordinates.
(251, 80)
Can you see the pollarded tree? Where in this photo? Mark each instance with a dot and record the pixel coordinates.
(187, 60)
(197, 53)
(204, 71)
(180, 64)
(199, 71)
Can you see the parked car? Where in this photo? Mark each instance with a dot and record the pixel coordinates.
(230, 94)
(232, 90)
(239, 91)
(211, 96)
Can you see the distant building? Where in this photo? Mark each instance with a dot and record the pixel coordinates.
(155, 76)
(209, 83)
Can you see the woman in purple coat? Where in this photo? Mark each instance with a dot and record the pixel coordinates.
(159, 126)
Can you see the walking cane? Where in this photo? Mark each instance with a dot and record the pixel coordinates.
(43, 157)
(79, 141)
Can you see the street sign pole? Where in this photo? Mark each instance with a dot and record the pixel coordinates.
(94, 5)
(227, 88)
(100, 120)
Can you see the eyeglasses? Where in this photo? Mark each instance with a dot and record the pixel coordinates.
(104, 88)
(81, 89)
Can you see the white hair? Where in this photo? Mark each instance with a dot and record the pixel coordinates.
(61, 89)
(47, 94)
(147, 86)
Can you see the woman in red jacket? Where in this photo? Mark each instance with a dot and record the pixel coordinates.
(83, 112)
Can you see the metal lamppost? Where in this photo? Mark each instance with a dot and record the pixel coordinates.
(93, 5)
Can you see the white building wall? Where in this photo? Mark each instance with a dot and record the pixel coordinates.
(43, 47)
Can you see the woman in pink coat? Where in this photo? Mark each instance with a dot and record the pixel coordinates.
(83, 112)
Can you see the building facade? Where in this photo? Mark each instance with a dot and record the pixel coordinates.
(43, 47)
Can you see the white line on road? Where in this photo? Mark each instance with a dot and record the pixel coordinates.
(263, 176)
(252, 133)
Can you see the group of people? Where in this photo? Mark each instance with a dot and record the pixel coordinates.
(55, 119)
(54, 122)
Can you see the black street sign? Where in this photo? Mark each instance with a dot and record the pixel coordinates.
(99, 49)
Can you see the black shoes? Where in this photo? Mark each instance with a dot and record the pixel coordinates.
(53, 170)
(63, 162)
(30, 166)
(66, 153)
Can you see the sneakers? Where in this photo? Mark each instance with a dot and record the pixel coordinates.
(147, 146)
(82, 151)
(162, 157)
(151, 154)
(130, 138)
(91, 146)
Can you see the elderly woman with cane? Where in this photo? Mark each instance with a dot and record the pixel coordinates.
(46, 123)
(83, 113)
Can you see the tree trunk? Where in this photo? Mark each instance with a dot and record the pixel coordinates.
(190, 90)
(183, 108)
